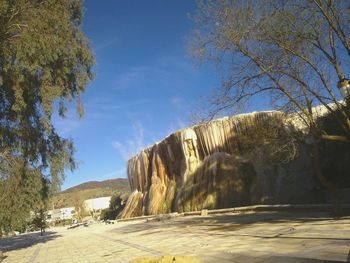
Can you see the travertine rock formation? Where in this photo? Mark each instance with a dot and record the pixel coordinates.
(204, 167)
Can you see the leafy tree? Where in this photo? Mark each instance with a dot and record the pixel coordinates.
(116, 205)
(293, 53)
(22, 190)
(45, 63)
(39, 221)
(45, 60)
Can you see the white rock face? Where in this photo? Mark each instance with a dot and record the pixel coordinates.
(202, 167)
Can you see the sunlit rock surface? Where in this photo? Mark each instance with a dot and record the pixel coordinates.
(203, 167)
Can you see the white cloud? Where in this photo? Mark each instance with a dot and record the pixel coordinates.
(181, 123)
(131, 146)
(106, 44)
(65, 126)
(134, 77)
(164, 72)
(121, 173)
(128, 78)
(179, 103)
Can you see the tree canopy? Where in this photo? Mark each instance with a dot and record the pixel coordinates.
(22, 190)
(45, 63)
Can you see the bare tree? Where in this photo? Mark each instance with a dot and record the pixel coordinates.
(78, 203)
(293, 52)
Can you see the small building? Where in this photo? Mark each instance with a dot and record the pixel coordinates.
(97, 204)
(60, 214)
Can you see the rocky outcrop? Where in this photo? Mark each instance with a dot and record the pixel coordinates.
(204, 167)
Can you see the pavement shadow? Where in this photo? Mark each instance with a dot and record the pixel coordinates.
(229, 222)
(225, 257)
(25, 240)
(2, 256)
(209, 222)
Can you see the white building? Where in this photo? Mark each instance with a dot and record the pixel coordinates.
(97, 203)
(61, 214)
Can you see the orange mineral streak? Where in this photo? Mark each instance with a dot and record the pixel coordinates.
(202, 167)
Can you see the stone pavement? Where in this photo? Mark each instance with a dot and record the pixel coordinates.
(256, 237)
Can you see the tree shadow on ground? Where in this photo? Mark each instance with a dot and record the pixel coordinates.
(2, 256)
(26, 240)
(230, 222)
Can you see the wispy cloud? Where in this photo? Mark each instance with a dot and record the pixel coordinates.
(126, 79)
(140, 75)
(95, 111)
(106, 44)
(179, 103)
(106, 108)
(65, 126)
(167, 83)
(176, 125)
(121, 173)
(164, 72)
(182, 123)
(131, 146)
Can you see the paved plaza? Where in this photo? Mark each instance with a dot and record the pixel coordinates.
(255, 237)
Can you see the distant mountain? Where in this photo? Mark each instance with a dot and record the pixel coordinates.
(92, 189)
(119, 183)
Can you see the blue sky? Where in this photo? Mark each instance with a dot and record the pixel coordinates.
(146, 84)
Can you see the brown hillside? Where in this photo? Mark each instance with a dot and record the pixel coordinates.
(92, 189)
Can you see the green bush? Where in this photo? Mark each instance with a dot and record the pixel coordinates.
(116, 205)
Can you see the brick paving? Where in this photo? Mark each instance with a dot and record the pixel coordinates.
(256, 237)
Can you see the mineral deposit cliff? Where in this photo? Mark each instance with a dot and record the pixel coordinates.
(204, 167)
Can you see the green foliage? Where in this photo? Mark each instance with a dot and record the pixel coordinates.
(39, 222)
(116, 205)
(63, 222)
(115, 202)
(45, 60)
(22, 190)
(108, 214)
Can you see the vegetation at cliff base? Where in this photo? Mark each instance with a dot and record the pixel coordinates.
(116, 205)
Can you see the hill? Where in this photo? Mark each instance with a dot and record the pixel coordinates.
(93, 189)
(119, 183)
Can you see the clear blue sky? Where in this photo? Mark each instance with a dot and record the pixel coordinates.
(145, 88)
